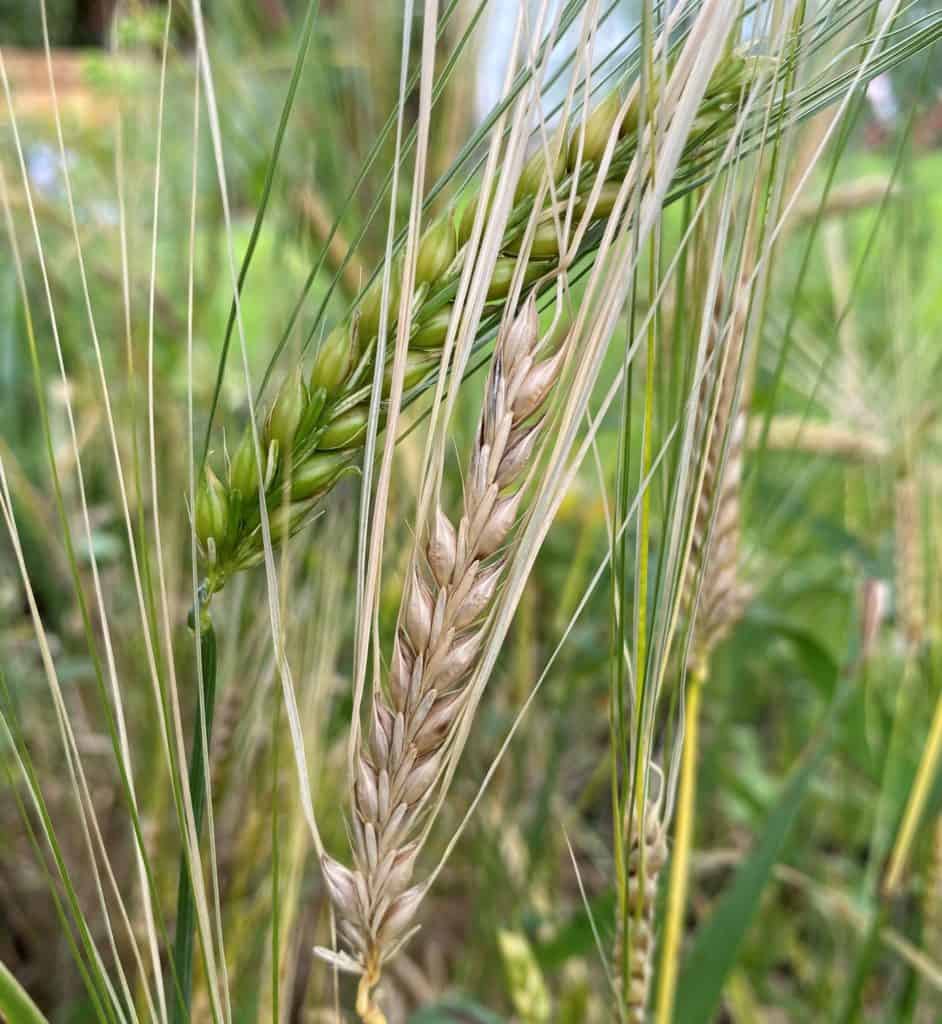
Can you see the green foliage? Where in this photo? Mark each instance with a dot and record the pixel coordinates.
(20, 24)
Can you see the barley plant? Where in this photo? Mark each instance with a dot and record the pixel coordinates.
(469, 483)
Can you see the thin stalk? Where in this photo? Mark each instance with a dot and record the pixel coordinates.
(680, 854)
(919, 795)
(275, 866)
(644, 535)
(186, 911)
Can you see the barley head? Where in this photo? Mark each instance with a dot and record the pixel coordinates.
(327, 414)
(438, 639)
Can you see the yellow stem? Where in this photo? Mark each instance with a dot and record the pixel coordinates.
(368, 1011)
(925, 778)
(680, 856)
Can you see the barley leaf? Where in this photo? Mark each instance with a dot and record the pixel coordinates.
(716, 947)
(16, 1007)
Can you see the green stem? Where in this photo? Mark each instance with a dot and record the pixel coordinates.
(183, 938)
(850, 1011)
(16, 1007)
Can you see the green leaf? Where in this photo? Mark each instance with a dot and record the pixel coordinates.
(817, 661)
(16, 1007)
(717, 943)
(574, 937)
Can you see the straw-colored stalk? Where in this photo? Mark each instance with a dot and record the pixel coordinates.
(440, 633)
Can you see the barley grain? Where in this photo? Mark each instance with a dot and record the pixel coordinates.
(647, 855)
(714, 551)
(440, 634)
(910, 576)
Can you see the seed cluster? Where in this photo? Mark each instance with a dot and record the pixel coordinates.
(647, 855)
(437, 643)
(714, 554)
(910, 572)
(315, 427)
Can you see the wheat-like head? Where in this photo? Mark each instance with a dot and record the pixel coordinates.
(910, 572)
(317, 425)
(714, 550)
(439, 635)
(646, 857)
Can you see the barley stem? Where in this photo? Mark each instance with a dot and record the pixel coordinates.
(919, 795)
(640, 773)
(182, 967)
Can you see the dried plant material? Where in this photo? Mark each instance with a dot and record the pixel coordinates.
(440, 633)
(850, 197)
(797, 433)
(910, 576)
(874, 601)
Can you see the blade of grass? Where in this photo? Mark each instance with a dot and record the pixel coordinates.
(16, 1007)
(714, 952)
(304, 43)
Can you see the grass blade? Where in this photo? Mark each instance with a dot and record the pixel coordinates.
(303, 46)
(714, 953)
(16, 1007)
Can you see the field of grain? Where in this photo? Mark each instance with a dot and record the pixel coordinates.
(469, 488)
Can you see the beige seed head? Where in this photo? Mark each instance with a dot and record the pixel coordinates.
(436, 648)
(716, 529)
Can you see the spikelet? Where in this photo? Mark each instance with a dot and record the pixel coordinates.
(439, 636)
(910, 576)
(525, 981)
(646, 859)
(714, 552)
